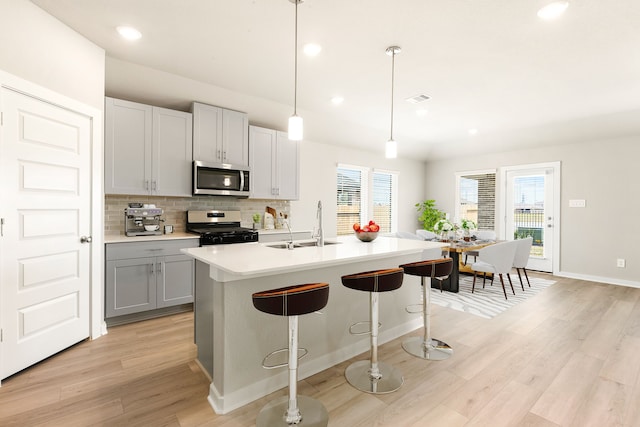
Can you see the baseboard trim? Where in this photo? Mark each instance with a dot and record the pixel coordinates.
(246, 395)
(598, 279)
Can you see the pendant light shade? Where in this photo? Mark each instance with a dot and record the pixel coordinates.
(391, 147)
(295, 130)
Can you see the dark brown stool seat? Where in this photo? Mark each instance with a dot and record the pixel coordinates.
(372, 376)
(427, 347)
(292, 301)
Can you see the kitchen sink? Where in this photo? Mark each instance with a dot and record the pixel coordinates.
(308, 244)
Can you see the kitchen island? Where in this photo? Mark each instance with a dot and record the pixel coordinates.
(233, 337)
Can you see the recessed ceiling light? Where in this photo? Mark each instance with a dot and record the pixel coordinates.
(553, 10)
(422, 112)
(418, 99)
(337, 100)
(311, 49)
(129, 33)
(472, 132)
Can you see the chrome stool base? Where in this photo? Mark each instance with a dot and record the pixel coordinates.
(432, 349)
(358, 374)
(314, 414)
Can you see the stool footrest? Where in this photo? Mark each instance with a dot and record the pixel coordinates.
(265, 365)
(412, 310)
(364, 322)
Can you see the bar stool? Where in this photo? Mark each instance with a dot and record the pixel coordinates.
(426, 347)
(372, 376)
(292, 301)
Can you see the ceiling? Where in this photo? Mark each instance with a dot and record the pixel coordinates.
(490, 65)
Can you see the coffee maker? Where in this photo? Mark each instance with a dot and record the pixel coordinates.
(142, 220)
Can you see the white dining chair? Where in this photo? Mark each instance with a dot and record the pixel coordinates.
(521, 258)
(479, 235)
(426, 234)
(495, 259)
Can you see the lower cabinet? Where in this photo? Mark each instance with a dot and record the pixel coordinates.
(142, 276)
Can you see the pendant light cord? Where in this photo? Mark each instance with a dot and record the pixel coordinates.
(295, 74)
(393, 57)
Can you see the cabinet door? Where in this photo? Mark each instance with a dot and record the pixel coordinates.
(128, 136)
(130, 286)
(287, 167)
(235, 137)
(207, 133)
(172, 153)
(262, 143)
(175, 284)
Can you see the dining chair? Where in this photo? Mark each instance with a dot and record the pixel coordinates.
(495, 259)
(521, 258)
(426, 234)
(479, 235)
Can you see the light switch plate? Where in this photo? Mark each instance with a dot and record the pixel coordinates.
(577, 203)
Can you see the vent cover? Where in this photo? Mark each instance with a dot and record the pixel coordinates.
(418, 99)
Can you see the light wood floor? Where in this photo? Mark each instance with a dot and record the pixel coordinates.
(569, 356)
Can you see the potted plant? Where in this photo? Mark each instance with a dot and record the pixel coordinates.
(256, 221)
(443, 227)
(429, 214)
(467, 225)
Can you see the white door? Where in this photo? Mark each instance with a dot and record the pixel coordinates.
(531, 209)
(45, 200)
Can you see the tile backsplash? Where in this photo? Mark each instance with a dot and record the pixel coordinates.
(175, 209)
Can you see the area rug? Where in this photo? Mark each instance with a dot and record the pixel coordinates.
(488, 302)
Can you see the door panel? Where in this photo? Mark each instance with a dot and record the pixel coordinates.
(45, 157)
(530, 210)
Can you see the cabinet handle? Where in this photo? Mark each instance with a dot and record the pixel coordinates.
(154, 185)
(152, 267)
(146, 184)
(159, 268)
(218, 155)
(224, 154)
(85, 239)
(1, 227)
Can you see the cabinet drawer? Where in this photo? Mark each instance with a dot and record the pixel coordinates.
(115, 251)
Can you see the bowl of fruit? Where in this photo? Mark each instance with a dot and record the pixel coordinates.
(368, 233)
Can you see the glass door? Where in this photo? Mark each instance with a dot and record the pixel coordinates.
(531, 210)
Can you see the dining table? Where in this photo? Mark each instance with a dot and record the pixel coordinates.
(455, 250)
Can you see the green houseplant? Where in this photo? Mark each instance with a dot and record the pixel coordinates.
(429, 214)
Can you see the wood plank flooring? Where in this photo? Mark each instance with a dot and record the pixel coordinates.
(566, 357)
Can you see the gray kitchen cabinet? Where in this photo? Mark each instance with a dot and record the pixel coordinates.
(275, 164)
(220, 135)
(148, 150)
(142, 276)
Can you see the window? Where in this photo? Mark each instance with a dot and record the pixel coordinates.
(364, 194)
(476, 198)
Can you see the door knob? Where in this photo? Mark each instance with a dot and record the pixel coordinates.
(85, 239)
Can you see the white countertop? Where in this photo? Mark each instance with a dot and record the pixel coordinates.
(258, 259)
(280, 231)
(121, 238)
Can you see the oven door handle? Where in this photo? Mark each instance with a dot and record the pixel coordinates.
(241, 181)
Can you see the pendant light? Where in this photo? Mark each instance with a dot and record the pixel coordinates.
(295, 121)
(391, 147)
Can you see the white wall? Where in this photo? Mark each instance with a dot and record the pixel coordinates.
(39, 48)
(318, 182)
(604, 173)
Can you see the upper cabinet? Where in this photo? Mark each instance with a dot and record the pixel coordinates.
(220, 135)
(148, 150)
(274, 162)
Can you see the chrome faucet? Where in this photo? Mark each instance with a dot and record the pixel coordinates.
(290, 242)
(320, 236)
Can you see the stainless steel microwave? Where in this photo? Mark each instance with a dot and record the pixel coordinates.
(220, 179)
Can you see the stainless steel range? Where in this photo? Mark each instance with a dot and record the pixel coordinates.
(219, 227)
